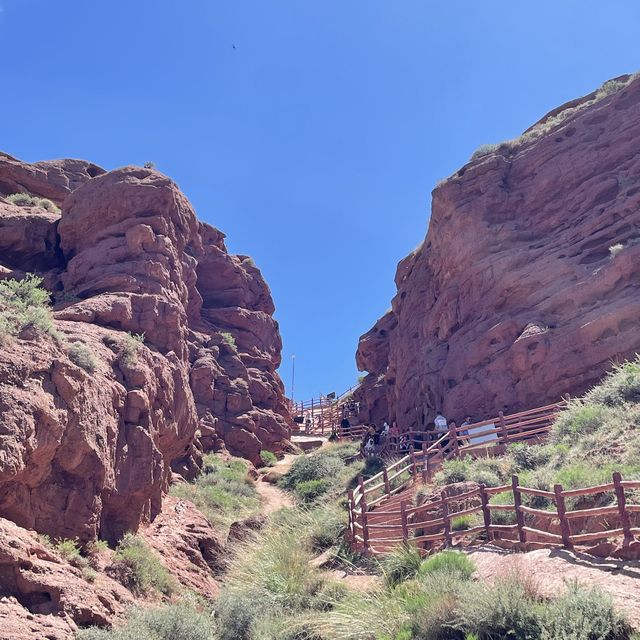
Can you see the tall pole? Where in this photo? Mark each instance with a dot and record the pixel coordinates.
(293, 374)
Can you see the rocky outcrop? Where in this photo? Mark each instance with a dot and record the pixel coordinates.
(527, 284)
(43, 596)
(164, 347)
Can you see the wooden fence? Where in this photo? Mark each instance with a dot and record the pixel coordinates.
(487, 434)
(325, 415)
(378, 532)
(378, 520)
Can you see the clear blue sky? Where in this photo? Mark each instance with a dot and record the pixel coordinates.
(316, 141)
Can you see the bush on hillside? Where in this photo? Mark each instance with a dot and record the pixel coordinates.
(316, 466)
(452, 563)
(172, 622)
(223, 492)
(81, 356)
(136, 566)
(503, 610)
(130, 346)
(27, 200)
(310, 490)
(24, 304)
(401, 564)
(268, 458)
(583, 614)
(579, 420)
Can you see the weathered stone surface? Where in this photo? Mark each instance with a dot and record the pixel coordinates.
(53, 179)
(514, 298)
(43, 596)
(88, 454)
(188, 546)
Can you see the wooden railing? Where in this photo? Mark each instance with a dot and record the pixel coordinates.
(485, 437)
(497, 431)
(378, 532)
(325, 415)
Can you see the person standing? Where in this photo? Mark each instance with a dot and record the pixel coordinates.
(441, 428)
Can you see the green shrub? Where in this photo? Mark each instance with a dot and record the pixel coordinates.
(578, 420)
(501, 517)
(138, 568)
(268, 458)
(401, 564)
(70, 551)
(453, 471)
(24, 304)
(81, 356)
(462, 523)
(317, 466)
(24, 199)
(484, 150)
(172, 622)
(528, 456)
(621, 385)
(583, 614)
(130, 346)
(224, 492)
(229, 340)
(452, 563)
(326, 527)
(504, 610)
(309, 490)
(236, 616)
(371, 467)
(149, 165)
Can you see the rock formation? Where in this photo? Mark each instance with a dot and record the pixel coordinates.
(527, 285)
(164, 347)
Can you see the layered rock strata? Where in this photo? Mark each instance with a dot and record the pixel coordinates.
(527, 284)
(164, 347)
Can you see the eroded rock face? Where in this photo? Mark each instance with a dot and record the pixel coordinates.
(43, 596)
(514, 298)
(89, 449)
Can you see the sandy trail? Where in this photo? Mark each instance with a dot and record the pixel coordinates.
(552, 569)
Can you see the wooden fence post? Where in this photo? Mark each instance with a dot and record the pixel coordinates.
(387, 486)
(414, 463)
(313, 416)
(486, 512)
(321, 416)
(445, 516)
(363, 512)
(352, 527)
(453, 438)
(403, 515)
(624, 514)
(503, 426)
(561, 508)
(517, 501)
(425, 464)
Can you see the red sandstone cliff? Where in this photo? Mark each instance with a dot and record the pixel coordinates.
(86, 454)
(514, 297)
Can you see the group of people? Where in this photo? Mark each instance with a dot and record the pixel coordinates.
(375, 438)
(439, 429)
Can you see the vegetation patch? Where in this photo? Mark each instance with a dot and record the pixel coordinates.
(24, 304)
(27, 200)
(224, 492)
(137, 567)
(268, 458)
(181, 621)
(82, 356)
(229, 340)
(130, 346)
